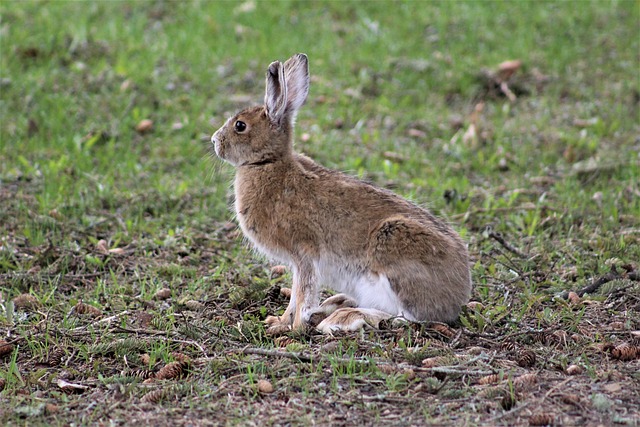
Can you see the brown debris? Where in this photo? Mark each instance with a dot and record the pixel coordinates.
(25, 301)
(5, 348)
(85, 309)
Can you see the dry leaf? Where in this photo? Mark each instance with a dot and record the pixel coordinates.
(68, 387)
(508, 68)
(102, 247)
(612, 387)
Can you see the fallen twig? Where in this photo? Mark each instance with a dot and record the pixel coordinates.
(508, 246)
(453, 370)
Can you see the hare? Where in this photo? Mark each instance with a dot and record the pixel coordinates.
(387, 256)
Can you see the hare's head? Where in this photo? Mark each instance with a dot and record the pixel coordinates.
(261, 135)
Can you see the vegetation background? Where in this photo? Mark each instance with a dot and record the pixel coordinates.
(128, 295)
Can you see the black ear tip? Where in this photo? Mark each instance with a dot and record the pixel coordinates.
(273, 68)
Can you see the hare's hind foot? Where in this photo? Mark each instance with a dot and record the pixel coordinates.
(352, 319)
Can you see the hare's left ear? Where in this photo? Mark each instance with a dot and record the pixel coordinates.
(296, 71)
(275, 98)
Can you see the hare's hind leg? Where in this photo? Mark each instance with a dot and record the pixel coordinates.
(427, 267)
(352, 319)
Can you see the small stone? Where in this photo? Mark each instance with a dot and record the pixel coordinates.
(574, 370)
(144, 126)
(265, 387)
(163, 294)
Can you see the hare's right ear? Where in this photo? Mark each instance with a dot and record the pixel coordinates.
(275, 98)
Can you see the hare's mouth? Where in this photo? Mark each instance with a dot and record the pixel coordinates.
(216, 145)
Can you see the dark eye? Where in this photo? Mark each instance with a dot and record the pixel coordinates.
(240, 126)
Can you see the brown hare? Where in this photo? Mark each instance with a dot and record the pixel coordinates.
(387, 256)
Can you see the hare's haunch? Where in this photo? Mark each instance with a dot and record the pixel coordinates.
(389, 256)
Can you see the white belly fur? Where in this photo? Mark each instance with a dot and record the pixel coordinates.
(370, 290)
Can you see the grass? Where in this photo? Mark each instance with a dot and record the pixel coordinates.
(96, 213)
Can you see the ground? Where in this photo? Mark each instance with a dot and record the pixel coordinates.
(129, 296)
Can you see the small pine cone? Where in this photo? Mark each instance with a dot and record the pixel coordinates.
(524, 382)
(142, 374)
(508, 346)
(55, 357)
(542, 337)
(171, 370)
(154, 396)
(283, 341)
(526, 358)
(489, 379)
(25, 301)
(443, 329)
(5, 348)
(541, 420)
(3, 383)
(194, 305)
(625, 351)
(82, 309)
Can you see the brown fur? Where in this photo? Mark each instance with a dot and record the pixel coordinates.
(298, 212)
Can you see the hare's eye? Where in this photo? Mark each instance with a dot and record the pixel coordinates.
(240, 126)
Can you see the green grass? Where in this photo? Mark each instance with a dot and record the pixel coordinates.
(93, 211)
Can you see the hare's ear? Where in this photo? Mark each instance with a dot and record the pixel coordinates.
(275, 98)
(296, 71)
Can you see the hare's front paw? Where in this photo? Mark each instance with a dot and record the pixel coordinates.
(277, 325)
